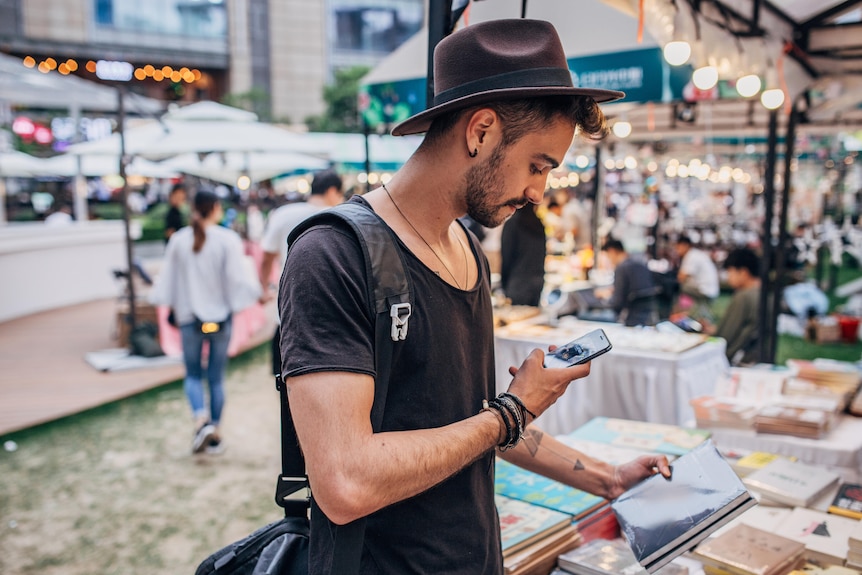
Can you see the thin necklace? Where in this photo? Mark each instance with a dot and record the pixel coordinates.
(463, 249)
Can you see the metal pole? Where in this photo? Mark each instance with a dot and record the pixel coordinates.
(594, 220)
(783, 236)
(438, 27)
(124, 197)
(764, 322)
(2, 200)
(366, 131)
(79, 187)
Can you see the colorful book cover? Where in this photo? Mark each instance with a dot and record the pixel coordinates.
(517, 483)
(848, 501)
(613, 454)
(642, 435)
(522, 523)
(825, 536)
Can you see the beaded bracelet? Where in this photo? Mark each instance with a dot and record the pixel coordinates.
(513, 412)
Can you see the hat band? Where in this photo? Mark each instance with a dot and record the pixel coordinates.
(529, 78)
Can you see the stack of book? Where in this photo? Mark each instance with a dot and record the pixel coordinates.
(518, 483)
(854, 547)
(791, 483)
(533, 536)
(663, 518)
(751, 462)
(847, 501)
(746, 550)
(671, 440)
(814, 569)
(608, 557)
(712, 411)
(825, 536)
(796, 421)
(840, 377)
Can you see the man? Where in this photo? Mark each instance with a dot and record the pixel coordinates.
(175, 219)
(698, 276)
(522, 257)
(504, 114)
(326, 191)
(739, 324)
(633, 296)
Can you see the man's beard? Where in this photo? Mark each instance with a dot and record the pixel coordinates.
(482, 185)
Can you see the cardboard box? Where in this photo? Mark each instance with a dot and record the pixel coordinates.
(828, 330)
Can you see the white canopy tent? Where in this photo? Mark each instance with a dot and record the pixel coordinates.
(203, 127)
(227, 167)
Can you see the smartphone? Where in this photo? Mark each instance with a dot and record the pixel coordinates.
(581, 350)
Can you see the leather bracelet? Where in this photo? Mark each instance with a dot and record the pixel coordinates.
(520, 403)
(486, 406)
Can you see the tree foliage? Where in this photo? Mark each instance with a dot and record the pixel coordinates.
(342, 114)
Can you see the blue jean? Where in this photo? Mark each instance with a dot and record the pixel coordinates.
(193, 339)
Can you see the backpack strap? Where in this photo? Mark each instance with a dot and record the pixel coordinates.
(392, 296)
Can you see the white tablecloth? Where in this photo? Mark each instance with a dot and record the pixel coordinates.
(840, 450)
(626, 383)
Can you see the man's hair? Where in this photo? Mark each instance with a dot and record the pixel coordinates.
(683, 239)
(178, 187)
(524, 115)
(324, 180)
(613, 244)
(743, 259)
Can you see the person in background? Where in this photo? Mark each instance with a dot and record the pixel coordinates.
(204, 279)
(327, 190)
(522, 257)
(503, 116)
(175, 219)
(62, 216)
(697, 275)
(633, 296)
(739, 324)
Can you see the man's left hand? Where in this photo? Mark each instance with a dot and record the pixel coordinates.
(629, 474)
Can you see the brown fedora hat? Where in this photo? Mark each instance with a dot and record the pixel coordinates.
(495, 60)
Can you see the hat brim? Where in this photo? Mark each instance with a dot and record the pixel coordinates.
(420, 122)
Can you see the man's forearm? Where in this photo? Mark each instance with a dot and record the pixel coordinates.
(389, 467)
(545, 455)
(266, 268)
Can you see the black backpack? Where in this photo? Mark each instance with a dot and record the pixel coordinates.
(281, 548)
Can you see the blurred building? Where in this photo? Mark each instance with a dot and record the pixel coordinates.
(275, 57)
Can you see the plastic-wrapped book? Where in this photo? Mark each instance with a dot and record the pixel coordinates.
(662, 518)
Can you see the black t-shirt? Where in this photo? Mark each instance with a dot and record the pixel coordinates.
(440, 375)
(173, 220)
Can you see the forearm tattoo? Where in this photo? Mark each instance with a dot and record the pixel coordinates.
(533, 439)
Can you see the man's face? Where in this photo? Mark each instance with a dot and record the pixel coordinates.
(735, 276)
(682, 249)
(512, 177)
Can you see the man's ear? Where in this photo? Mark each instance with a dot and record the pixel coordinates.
(482, 123)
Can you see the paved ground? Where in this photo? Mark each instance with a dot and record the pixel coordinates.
(43, 374)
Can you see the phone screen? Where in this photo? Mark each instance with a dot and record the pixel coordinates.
(580, 350)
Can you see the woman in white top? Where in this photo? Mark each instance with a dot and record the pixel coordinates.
(204, 280)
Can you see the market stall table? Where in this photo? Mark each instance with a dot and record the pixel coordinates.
(647, 376)
(840, 450)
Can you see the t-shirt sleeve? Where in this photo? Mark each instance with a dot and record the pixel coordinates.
(272, 237)
(326, 322)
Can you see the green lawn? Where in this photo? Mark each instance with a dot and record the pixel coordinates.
(791, 347)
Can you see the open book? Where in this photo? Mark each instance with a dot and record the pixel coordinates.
(662, 518)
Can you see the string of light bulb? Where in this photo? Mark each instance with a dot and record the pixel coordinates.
(686, 32)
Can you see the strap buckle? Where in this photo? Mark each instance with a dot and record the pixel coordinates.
(400, 314)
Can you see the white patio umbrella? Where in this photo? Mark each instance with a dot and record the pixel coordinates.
(227, 167)
(199, 129)
(14, 164)
(93, 166)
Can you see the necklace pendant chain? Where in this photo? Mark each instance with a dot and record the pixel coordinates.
(433, 251)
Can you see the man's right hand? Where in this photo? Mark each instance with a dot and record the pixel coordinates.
(538, 386)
